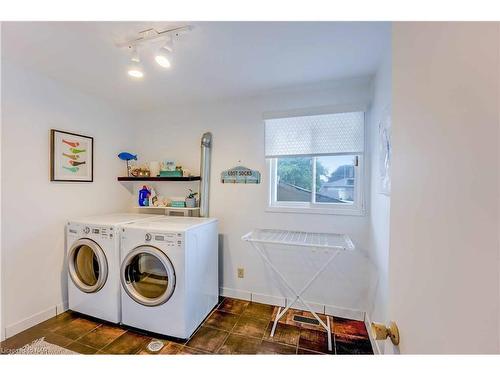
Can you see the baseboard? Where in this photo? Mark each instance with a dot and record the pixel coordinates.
(35, 319)
(341, 312)
(29, 322)
(62, 307)
(318, 308)
(368, 324)
(345, 312)
(235, 293)
(268, 300)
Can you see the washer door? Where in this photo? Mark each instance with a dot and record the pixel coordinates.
(87, 265)
(148, 276)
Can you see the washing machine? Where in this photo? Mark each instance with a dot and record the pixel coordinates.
(169, 274)
(93, 259)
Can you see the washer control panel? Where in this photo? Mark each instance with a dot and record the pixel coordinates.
(91, 231)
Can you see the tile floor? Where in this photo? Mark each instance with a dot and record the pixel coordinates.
(233, 327)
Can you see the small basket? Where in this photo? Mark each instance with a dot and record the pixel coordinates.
(178, 204)
(170, 173)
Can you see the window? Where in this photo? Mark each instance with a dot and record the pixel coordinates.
(315, 163)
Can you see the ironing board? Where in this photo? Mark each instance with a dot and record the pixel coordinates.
(332, 243)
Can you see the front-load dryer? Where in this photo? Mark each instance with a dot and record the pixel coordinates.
(169, 274)
(93, 260)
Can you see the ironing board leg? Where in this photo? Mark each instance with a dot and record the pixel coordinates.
(329, 333)
(298, 295)
(279, 315)
(275, 322)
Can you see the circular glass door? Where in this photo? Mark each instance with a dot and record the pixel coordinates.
(87, 265)
(148, 276)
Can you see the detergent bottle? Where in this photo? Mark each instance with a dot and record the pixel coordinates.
(144, 196)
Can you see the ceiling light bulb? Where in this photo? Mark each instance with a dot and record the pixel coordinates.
(163, 57)
(135, 69)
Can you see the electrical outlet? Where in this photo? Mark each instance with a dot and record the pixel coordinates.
(241, 273)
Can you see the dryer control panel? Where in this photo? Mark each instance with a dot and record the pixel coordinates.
(166, 239)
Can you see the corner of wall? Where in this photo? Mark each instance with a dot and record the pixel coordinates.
(2, 331)
(498, 187)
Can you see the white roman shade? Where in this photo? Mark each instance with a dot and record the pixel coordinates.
(336, 133)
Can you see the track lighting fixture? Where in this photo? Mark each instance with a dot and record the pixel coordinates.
(135, 67)
(163, 56)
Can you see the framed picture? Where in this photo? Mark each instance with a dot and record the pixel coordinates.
(71, 157)
(385, 152)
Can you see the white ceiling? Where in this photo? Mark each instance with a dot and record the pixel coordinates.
(216, 60)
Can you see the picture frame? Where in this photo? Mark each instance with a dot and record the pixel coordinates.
(385, 152)
(71, 157)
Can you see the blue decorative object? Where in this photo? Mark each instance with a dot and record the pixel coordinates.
(127, 156)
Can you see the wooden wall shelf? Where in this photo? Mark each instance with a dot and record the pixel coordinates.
(190, 178)
(184, 211)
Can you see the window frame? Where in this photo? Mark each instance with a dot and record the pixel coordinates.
(359, 207)
(356, 209)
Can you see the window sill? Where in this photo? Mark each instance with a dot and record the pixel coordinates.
(317, 210)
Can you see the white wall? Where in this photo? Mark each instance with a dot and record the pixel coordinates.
(498, 108)
(444, 246)
(2, 331)
(238, 132)
(34, 210)
(379, 203)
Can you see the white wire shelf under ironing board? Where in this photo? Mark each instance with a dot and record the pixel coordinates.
(331, 242)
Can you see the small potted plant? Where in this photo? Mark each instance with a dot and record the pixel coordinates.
(191, 199)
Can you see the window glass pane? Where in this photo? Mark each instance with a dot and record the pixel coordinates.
(294, 179)
(335, 179)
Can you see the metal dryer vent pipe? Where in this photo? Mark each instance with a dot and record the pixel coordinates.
(206, 159)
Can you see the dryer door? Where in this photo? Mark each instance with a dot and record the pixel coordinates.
(148, 276)
(87, 265)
